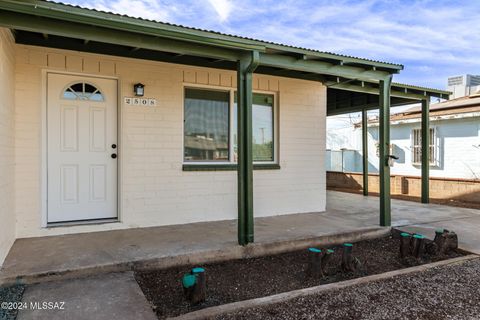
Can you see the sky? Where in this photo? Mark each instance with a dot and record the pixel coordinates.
(432, 39)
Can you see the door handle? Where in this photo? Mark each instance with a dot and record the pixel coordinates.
(114, 155)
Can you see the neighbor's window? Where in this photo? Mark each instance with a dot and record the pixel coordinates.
(206, 125)
(262, 128)
(417, 146)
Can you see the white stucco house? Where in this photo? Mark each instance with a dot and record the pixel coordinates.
(454, 141)
(111, 122)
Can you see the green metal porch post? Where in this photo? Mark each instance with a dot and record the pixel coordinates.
(385, 205)
(245, 69)
(365, 151)
(425, 150)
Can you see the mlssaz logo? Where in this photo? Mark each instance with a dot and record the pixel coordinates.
(47, 305)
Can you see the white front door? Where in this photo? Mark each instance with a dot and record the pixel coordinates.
(81, 148)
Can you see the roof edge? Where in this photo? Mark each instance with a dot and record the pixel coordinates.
(61, 11)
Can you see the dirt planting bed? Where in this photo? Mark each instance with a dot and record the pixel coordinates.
(244, 279)
(447, 292)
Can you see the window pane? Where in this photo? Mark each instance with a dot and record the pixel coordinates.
(77, 88)
(262, 128)
(206, 127)
(89, 88)
(69, 95)
(96, 96)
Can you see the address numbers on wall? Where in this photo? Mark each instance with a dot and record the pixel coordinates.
(144, 102)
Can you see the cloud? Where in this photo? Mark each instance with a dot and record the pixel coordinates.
(147, 9)
(222, 7)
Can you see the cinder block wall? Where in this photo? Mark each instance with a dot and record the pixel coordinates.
(154, 189)
(440, 188)
(7, 131)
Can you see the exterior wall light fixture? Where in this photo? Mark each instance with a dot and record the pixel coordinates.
(139, 89)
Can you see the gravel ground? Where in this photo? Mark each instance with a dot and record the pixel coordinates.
(10, 294)
(449, 292)
(257, 277)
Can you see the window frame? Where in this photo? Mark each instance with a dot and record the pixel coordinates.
(230, 161)
(432, 145)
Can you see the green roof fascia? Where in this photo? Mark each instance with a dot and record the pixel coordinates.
(83, 31)
(321, 67)
(443, 94)
(115, 21)
(397, 90)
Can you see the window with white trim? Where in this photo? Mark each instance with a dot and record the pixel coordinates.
(210, 127)
(417, 147)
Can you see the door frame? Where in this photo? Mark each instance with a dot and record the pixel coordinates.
(44, 150)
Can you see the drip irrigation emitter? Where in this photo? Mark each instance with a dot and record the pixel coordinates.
(195, 285)
(325, 260)
(314, 262)
(405, 239)
(446, 241)
(348, 264)
(418, 245)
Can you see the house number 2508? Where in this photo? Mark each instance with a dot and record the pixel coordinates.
(144, 102)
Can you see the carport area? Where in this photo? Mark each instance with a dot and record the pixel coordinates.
(347, 214)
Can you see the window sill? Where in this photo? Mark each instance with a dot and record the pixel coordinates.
(228, 167)
(419, 164)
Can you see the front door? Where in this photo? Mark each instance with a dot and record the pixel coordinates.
(81, 148)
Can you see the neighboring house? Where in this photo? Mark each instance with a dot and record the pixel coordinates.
(84, 146)
(454, 141)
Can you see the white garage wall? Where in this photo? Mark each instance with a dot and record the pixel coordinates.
(154, 189)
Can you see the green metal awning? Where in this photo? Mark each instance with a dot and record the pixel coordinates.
(354, 96)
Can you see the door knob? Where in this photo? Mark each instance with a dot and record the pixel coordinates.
(114, 146)
(114, 155)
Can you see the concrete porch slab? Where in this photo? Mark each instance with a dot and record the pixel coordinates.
(112, 296)
(121, 250)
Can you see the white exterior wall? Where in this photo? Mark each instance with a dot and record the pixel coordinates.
(458, 143)
(7, 159)
(153, 188)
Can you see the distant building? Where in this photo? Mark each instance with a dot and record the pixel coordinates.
(462, 86)
(454, 136)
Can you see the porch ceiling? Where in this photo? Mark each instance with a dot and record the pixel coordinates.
(352, 82)
(346, 96)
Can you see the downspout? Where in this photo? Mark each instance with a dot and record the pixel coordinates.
(246, 67)
(254, 62)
